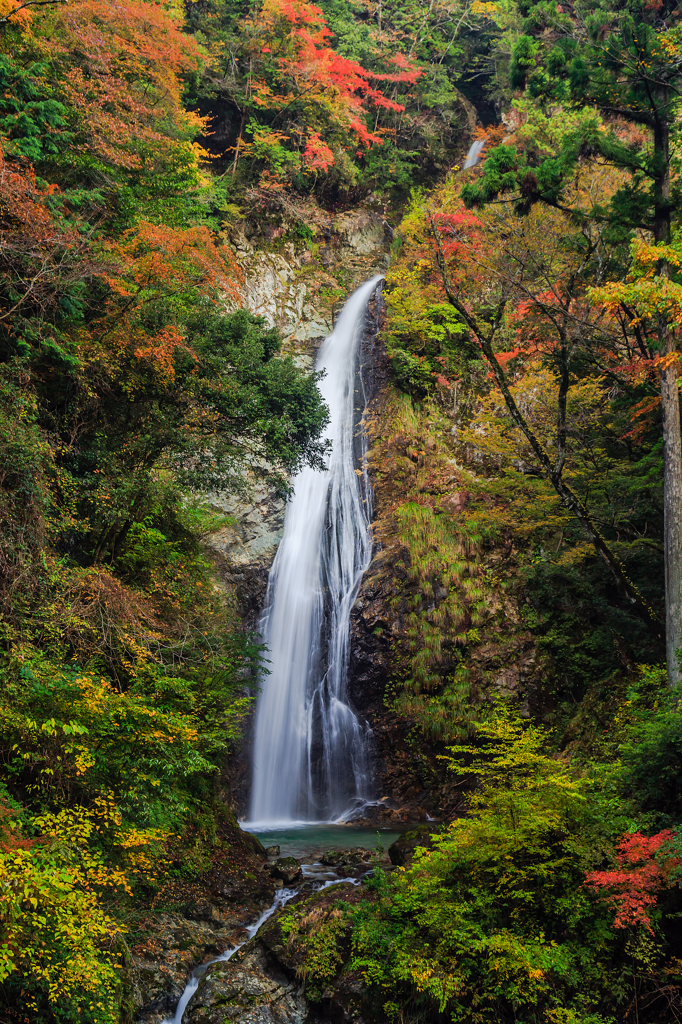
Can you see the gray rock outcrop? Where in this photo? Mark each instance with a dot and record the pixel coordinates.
(249, 989)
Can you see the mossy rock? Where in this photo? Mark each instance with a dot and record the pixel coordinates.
(402, 850)
(339, 858)
(310, 938)
(288, 869)
(255, 844)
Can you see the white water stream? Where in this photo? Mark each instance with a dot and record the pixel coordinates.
(310, 749)
(282, 897)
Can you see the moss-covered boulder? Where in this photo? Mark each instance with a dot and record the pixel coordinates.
(287, 869)
(402, 850)
(347, 858)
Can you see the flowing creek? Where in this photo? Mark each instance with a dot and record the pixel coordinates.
(307, 843)
(282, 897)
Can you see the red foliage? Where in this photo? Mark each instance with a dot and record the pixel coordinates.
(307, 62)
(39, 256)
(160, 351)
(317, 154)
(631, 888)
(504, 357)
(460, 238)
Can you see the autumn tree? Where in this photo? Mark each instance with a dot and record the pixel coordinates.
(524, 288)
(620, 60)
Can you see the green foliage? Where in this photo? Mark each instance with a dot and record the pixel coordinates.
(31, 116)
(620, 59)
(317, 934)
(495, 924)
(69, 736)
(651, 755)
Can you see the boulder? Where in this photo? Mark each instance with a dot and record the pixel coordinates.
(402, 850)
(343, 858)
(288, 869)
(249, 989)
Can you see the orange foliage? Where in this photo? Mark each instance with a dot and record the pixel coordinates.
(161, 351)
(127, 83)
(154, 260)
(15, 12)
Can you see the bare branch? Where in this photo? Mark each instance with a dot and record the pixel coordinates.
(29, 3)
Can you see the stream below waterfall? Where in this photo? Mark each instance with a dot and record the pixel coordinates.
(306, 842)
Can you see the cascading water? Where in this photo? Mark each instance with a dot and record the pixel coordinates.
(474, 154)
(310, 749)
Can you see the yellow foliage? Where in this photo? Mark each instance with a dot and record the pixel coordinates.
(53, 926)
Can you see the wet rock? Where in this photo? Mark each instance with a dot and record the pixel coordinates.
(248, 541)
(308, 913)
(252, 988)
(346, 858)
(402, 850)
(288, 869)
(172, 946)
(272, 851)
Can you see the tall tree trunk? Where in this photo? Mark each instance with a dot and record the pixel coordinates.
(672, 518)
(672, 441)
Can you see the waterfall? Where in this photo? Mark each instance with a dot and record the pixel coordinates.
(474, 154)
(310, 748)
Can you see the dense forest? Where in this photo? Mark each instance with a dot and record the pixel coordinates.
(525, 455)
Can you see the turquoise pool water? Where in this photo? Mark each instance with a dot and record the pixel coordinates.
(307, 840)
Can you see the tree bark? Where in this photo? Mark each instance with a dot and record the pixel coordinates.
(672, 519)
(670, 402)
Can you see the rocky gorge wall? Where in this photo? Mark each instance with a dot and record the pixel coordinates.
(298, 286)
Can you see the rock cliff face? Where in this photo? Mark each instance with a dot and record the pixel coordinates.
(297, 286)
(424, 654)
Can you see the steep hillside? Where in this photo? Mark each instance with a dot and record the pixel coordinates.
(188, 195)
